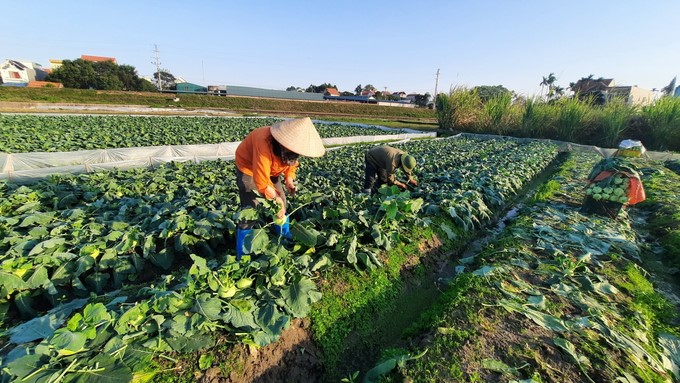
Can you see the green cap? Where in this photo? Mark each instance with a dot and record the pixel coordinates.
(408, 162)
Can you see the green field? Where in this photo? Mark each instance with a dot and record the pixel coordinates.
(486, 271)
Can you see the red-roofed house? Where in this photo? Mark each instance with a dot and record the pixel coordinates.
(331, 92)
(98, 58)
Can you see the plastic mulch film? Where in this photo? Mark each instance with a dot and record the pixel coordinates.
(565, 146)
(28, 167)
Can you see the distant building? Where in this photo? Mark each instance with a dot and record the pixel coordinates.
(217, 90)
(360, 99)
(602, 90)
(98, 58)
(187, 87)
(20, 73)
(401, 95)
(401, 103)
(677, 92)
(411, 97)
(331, 92)
(590, 85)
(632, 95)
(55, 64)
(245, 91)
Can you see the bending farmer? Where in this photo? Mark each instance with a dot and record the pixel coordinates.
(263, 157)
(381, 164)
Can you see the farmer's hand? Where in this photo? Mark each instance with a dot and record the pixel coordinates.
(413, 181)
(290, 186)
(401, 185)
(282, 212)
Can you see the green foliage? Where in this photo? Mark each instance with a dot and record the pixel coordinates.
(487, 93)
(28, 133)
(531, 119)
(319, 88)
(551, 266)
(496, 109)
(546, 191)
(571, 120)
(661, 191)
(102, 75)
(616, 119)
(663, 118)
(457, 109)
(355, 246)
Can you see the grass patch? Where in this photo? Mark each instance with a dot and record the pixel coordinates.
(365, 313)
(546, 191)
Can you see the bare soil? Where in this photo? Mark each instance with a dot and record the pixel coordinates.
(293, 358)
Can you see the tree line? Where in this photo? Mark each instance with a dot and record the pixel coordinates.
(102, 75)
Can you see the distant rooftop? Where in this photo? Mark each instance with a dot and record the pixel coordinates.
(98, 58)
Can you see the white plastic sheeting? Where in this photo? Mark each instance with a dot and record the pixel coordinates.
(564, 146)
(27, 167)
(367, 139)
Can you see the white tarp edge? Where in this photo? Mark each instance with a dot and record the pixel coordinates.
(565, 146)
(25, 167)
(367, 139)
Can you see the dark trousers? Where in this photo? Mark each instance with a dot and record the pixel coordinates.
(371, 181)
(246, 192)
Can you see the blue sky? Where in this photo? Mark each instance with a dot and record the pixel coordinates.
(397, 45)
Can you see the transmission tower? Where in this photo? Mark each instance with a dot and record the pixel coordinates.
(436, 83)
(157, 62)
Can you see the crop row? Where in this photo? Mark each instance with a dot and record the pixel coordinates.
(105, 230)
(29, 133)
(564, 294)
(99, 231)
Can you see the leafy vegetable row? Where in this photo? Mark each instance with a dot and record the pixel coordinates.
(94, 233)
(122, 329)
(30, 133)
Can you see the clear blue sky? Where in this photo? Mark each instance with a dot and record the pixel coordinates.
(396, 44)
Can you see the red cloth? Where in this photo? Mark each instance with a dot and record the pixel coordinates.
(636, 193)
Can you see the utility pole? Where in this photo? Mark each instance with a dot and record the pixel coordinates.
(157, 62)
(436, 84)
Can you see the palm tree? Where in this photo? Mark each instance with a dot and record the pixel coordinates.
(548, 81)
(558, 90)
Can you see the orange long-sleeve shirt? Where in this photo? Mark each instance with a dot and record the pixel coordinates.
(254, 157)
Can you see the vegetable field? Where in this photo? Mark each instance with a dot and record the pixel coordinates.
(31, 133)
(131, 275)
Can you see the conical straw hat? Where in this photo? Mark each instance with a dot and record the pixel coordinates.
(299, 136)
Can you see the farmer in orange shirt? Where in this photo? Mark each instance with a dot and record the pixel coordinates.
(266, 154)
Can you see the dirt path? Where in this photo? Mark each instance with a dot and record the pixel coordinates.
(293, 358)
